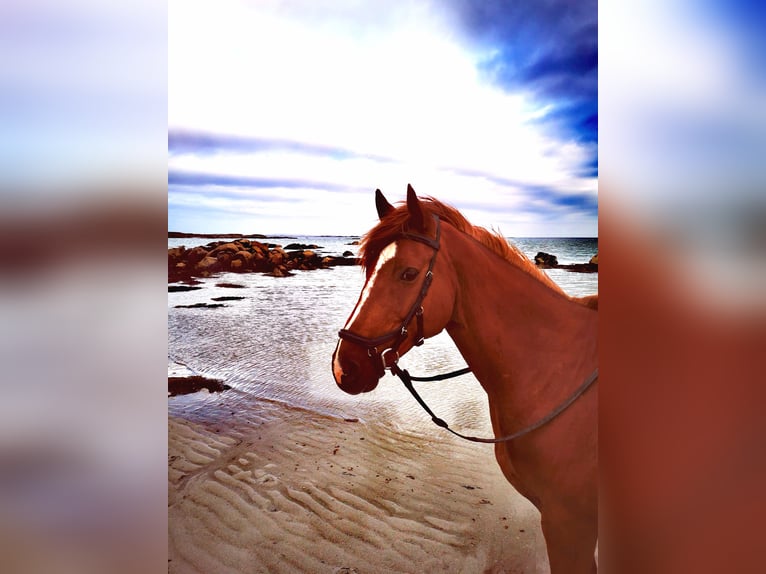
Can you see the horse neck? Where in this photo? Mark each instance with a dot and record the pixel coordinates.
(528, 344)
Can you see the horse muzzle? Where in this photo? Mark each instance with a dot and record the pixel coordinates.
(355, 375)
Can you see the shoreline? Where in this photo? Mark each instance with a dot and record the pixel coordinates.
(267, 487)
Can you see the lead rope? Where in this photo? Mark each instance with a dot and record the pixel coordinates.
(407, 379)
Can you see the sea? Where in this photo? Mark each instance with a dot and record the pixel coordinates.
(276, 343)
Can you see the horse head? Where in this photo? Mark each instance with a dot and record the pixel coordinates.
(408, 294)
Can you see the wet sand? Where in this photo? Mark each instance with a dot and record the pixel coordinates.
(272, 488)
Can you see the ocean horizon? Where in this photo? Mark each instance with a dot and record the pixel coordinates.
(567, 249)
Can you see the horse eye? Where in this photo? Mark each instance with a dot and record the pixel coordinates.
(409, 274)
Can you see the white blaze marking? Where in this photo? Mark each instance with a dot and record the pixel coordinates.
(385, 256)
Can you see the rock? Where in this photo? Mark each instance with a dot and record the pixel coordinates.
(301, 246)
(594, 259)
(348, 254)
(201, 306)
(224, 258)
(230, 285)
(307, 260)
(227, 298)
(176, 253)
(259, 249)
(195, 255)
(178, 269)
(353, 243)
(333, 261)
(224, 248)
(280, 271)
(244, 259)
(277, 256)
(208, 264)
(294, 255)
(580, 267)
(186, 385)
(181, 288)
(546, 260)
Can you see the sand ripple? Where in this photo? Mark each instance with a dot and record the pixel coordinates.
(270, 488)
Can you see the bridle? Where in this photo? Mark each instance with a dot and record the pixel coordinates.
(389, 357)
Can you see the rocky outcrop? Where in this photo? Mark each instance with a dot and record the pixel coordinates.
(547, 261)
(301, 246)
(186, 385)
(334, 261)
(182, 288)
(247, 256)
(580, 267)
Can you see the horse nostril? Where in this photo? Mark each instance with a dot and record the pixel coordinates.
(350, 372)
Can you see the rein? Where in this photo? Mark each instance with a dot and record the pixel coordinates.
(407, 379)
(389, 357)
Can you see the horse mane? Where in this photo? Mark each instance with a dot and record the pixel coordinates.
(392, 225)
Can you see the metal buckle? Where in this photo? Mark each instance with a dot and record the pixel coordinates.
(386, 366)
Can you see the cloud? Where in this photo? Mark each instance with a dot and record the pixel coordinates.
(534, 198)
(226, 180)
(206, 143)
(548, 48)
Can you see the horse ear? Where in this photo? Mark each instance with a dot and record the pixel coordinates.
(382, 205)
(416, 212)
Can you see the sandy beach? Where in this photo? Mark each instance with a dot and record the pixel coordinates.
(271, 488)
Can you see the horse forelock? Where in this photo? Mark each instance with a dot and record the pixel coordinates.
(393, 224)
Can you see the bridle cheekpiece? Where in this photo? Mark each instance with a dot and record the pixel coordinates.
(389, 356)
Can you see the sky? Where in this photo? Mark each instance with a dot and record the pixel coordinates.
(284, 117)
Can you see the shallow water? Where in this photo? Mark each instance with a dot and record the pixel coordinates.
(278, 341)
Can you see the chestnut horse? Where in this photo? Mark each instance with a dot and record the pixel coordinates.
(529, 345)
